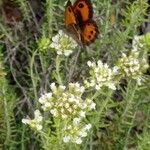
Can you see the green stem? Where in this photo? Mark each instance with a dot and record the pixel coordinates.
(58, 62)
(32, 74)
(7, 118)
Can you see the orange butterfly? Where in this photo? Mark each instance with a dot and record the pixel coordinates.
(79, 22)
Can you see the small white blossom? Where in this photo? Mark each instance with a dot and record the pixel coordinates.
(101, 75)
(83, 134)
(90, 64)
(93, 105)
(112, 86)
(35, 123)
(66, 139)
(64, 116)
(84, 106)
(82, 114)
(53, 86)
(54, 112)
(63, 44)
(88, 126)
(62, 87)
(67, 105)
(48, 105)
(39, 127)
(132, 66)
(76, 131)
(78, 140)
(70, 110)
(26, 121)
(76, 121)
(136, 43)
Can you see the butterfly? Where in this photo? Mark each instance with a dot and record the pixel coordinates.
(79, 22)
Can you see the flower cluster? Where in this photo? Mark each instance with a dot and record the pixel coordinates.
(67, 104)
(132, 66)
(63, 44)
(136, 43)
(76, 131)
(64, 103)
(43, 44)
(35, 123)
(129, 66)
(101, 75)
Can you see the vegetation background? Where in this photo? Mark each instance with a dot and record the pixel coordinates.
(27, 67)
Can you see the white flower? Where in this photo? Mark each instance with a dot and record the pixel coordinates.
(66, 139)
(78, 140)
(38, 118)
(48, 95)
(115, 70)
(92, 105)
(62, 110)
(83, 134)
(64, 116)
(67, 105)
(97, 87)
(136, 42)
(100, 64)
(69, 127)
(71, 99)
(89, 63)
(84, 106)
(62, 87)
(47, 104)
(37, 113)
(35, 123)
(88, 126)
(132, 66)
(82, 113)
(63, 44)
(53, 86)
(26, 121)
(54, 111)
(46, 101)
(70, 110)
(67, 52)
(39, 127)
(101, 75)
(112, 86)
(76, 131)
(76, 121)
(55, 39)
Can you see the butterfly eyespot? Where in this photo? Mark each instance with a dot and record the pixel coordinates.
(91, 32)
(89, 37)
(80, 5)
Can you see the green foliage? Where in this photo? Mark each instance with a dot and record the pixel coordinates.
(28, 66)
(8, 126)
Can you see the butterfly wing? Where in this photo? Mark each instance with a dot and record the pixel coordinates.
(70, 18)
(89, 32)
(72, 28)
(83, 9)
(79, 23)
